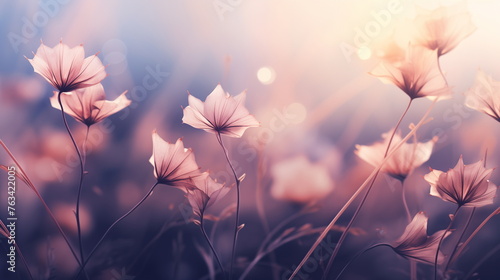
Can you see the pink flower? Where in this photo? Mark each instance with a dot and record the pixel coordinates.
(443, 28)
(88, 105)
(465, 185)
(299, 180)
(484, 95)
(67, 69)
(417, 74)
(206, 193)
(415, 244)
(408, 157)
(220, 113)
(173, 164)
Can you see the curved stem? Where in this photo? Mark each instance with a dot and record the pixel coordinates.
(23, 260)
(441, 241)
(259, 201)
(360, 206)
(237, 220)
(481, 261)
(396, 128)
(473, 234)
(32, 187)
(80, 184)
(422, 121)
(405, 202)
(358, 255)
(460, 238)
(261, 251)
(202, 228)
(112, 226)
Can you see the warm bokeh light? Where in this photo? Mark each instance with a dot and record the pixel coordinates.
(319, 78)
(266, 75)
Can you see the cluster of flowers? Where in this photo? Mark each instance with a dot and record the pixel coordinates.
(413, 67)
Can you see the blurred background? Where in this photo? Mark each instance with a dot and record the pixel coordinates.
(307, 82)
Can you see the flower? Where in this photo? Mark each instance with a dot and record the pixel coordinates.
(415, 244)
(484, 95)
(220, 113)
(417, 74)
(173, 164)
(408, 157)
(300, 181)
(66, 69)
(443, 28)
(465, 185)
(206, 193)
(88, 105)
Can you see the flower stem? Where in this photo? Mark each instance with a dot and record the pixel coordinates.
(460, 238)
(358, 255)
(464, 245)
(405, 203)
(358, 209)
(259, 202)
(80, 184)
(237, 220)
(267, 240)
(441, 241)
(33, 188)
(202, 228)
(112, 226)
(481, 261)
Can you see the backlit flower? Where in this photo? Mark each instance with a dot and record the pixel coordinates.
(206, 193)
(416, 245)
(88, 105)
(443, 28)
(173, 164)
(484, 95)
(408, 157)
(465, 185)
(299, 180)
(67, 69)
(417, 74)
(220, 113)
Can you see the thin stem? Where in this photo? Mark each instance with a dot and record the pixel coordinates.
(262, 249)
(202, 228)
(396, 128)
(320, 238)
(413, 269)
(33, 188)
(166, 226)
(112, 226)
(481, 261)
(473, 234)
(360, 206)
(23, 260)
(460, 238)
(441, 241)
(358, 255)
(405, 202)
(259, 201)
(80, 184)
(237, 220)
